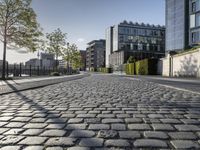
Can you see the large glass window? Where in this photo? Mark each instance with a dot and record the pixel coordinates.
(193, 6)
(197, 22)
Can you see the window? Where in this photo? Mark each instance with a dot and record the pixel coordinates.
(197, 19)
(192, 21)
(193, 6)
(195, 37)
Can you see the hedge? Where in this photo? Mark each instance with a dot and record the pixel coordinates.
(142, 67)
(129, 68)
(105, 70)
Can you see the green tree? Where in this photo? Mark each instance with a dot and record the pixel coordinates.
(56, 41)
(72, 56)
(131, 59)
(18, 27)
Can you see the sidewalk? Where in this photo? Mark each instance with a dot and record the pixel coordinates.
(186, 84)
(10, 86)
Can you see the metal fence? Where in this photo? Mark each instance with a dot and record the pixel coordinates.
(20, 70)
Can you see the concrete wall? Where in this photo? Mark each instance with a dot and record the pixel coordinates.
(186, 64)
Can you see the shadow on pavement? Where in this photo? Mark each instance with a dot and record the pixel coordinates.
(58, 121)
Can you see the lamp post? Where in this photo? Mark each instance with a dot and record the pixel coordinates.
(67, 58)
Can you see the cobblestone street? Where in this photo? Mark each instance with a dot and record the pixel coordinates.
(98, 112)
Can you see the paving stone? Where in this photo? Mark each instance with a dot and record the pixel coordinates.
(91, 142)
(86, 115)
(34, 148)
(5, 118)
(33, 140)
(150, 143)
(110, 120)
(92, 120)
(75, 120)
(54, 148)
(10, 148)
(118, 127)
(190, 121)
(82, 134)
(32, 132)
(155, 135)
(133, 120)
(53, 133)
(139, 127)
(171, 121)
(78, 148)
(187, 127)
(22, 119)
(107, 134)
(150, 121)
(60, 141)
(14, 131)
(55, 126)
(57, 120)
(76, 126)
(35, 125)
(117, 143)
(10, 140)
(14, 125)
(182, 135)
(2, 130)
(3, 123)
(99, 127)
(163, 127)
(184, 144)
(155, 116)
(106, 116)
(129, 134)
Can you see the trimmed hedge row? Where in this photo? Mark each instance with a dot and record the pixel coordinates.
(105, 70)
(142, 67)
(129, 68)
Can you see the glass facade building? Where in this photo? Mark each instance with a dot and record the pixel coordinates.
(133, 39)
(95, 55)
(194, 34)
(177, 24)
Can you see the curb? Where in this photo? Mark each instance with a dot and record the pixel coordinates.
(40, 84)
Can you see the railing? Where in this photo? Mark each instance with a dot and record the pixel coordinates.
(19, 70)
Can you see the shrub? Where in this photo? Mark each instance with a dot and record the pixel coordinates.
(129, 68)
(146, 67)
(142, 67)
(105, 70)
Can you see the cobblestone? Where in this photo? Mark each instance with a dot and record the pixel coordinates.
(100, 112)
(184, 144)
(150, 143)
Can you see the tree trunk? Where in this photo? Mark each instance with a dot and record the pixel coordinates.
(4, 57)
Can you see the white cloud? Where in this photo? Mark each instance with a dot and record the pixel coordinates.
(80, 40)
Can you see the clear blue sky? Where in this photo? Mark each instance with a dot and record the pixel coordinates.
(86, 20)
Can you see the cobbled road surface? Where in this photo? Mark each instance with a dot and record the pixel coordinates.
(100, 112)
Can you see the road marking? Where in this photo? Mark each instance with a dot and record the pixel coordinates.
(180, 89)
(167, 86)
(133, 78)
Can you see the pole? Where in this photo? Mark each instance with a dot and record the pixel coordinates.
(30, 71)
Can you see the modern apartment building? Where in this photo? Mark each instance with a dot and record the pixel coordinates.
(177, 25)
(95, 55)
(133, 39)
(194, 15)
(83, 60)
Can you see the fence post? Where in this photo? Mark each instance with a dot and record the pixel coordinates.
(38, 70)
(30, 71)
(7, 70)
(14, 73)
(20, 69)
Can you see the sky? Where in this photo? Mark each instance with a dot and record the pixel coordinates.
(87, 20)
